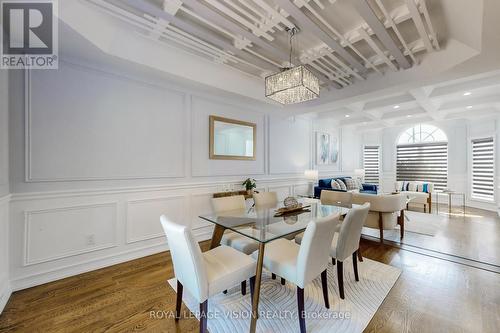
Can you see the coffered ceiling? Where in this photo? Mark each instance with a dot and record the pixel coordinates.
(470, 98)
(370, 55)
(342, 41)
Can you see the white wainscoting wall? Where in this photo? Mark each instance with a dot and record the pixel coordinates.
(99, 155)
(5, 288)
(59, 234)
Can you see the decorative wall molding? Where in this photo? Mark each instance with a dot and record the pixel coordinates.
(29, 178)
(129, 237)
(138, 189)
(27, 261)
(48, 275)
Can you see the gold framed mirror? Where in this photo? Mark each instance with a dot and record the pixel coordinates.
(232, 139)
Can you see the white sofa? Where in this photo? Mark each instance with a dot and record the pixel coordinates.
(419, 192)
(386, 211)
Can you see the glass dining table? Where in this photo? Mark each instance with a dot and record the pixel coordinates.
(262, 225)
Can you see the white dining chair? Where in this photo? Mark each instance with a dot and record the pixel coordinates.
(230, 238)
(336, 198)
(204, 274)
(302, 264)
(265, 199)
(268, 200)
(345, 243)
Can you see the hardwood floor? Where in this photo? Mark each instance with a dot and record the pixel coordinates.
(431, 295)
(473, 236)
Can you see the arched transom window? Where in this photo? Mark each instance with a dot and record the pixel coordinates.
(422, 155)
(422, 133)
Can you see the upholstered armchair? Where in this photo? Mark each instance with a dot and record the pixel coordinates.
(419, 192)
(386, 211)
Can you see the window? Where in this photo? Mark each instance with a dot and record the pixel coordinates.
(483, 169)
(371, 164)
(422, 155)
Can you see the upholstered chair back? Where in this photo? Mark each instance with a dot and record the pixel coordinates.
(381, 203)
(228, 203)
(314, 251)
(189, 265)
(336, 198)
(350, 231)
(265, 199)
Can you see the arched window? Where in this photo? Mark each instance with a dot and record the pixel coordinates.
(422, 155)
(422, 133)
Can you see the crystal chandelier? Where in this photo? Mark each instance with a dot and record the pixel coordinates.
(293, 84)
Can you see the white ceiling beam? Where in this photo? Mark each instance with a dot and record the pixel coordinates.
(323, 77)
(481, 100)
(153, 10)
(371, 18)
(343, 41)
(264, 5)
(395, 29)
(334, 70)
(389, 101)
(403, 113)
(427, 17)
(425, 103)
(469, 85)
(377, 49)
(258, 31)
(484, 112)
(308, 24)
(171, 33)
(213, 16)
(415, 15)
(327, 72)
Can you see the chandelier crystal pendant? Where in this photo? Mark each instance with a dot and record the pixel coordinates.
(293, 84)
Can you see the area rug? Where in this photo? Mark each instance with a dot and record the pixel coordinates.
(423, 223)
(230, 312)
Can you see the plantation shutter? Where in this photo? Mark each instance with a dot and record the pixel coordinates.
(371, 164)
(483, 169)
(426, 162)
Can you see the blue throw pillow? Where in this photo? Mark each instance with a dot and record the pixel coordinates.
(425, 188)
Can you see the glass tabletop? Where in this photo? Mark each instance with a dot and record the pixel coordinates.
(262, 225)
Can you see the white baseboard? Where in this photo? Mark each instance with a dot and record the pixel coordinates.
(39, 278)
(5, 292)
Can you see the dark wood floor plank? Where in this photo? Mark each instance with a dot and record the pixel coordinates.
(431, 295)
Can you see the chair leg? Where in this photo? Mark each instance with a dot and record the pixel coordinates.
(224, 292)
(333, 261)
(355, 265)
(273, 276)
(340, 276)
(244, 287)
(402, 224)
(283, 281)
(360, 256)
(302, 314)
(381, 226)
(178, 303)
(252, 287)
(203, 316)
(324, 285)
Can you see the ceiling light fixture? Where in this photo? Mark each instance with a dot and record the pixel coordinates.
(347, 116)
(293, 84)
(469, 107)
(408, 116)
(467, 93)
(396, 106)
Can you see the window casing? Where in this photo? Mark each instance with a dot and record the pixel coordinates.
(483, 169)
(371, 164)
(422, 155)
